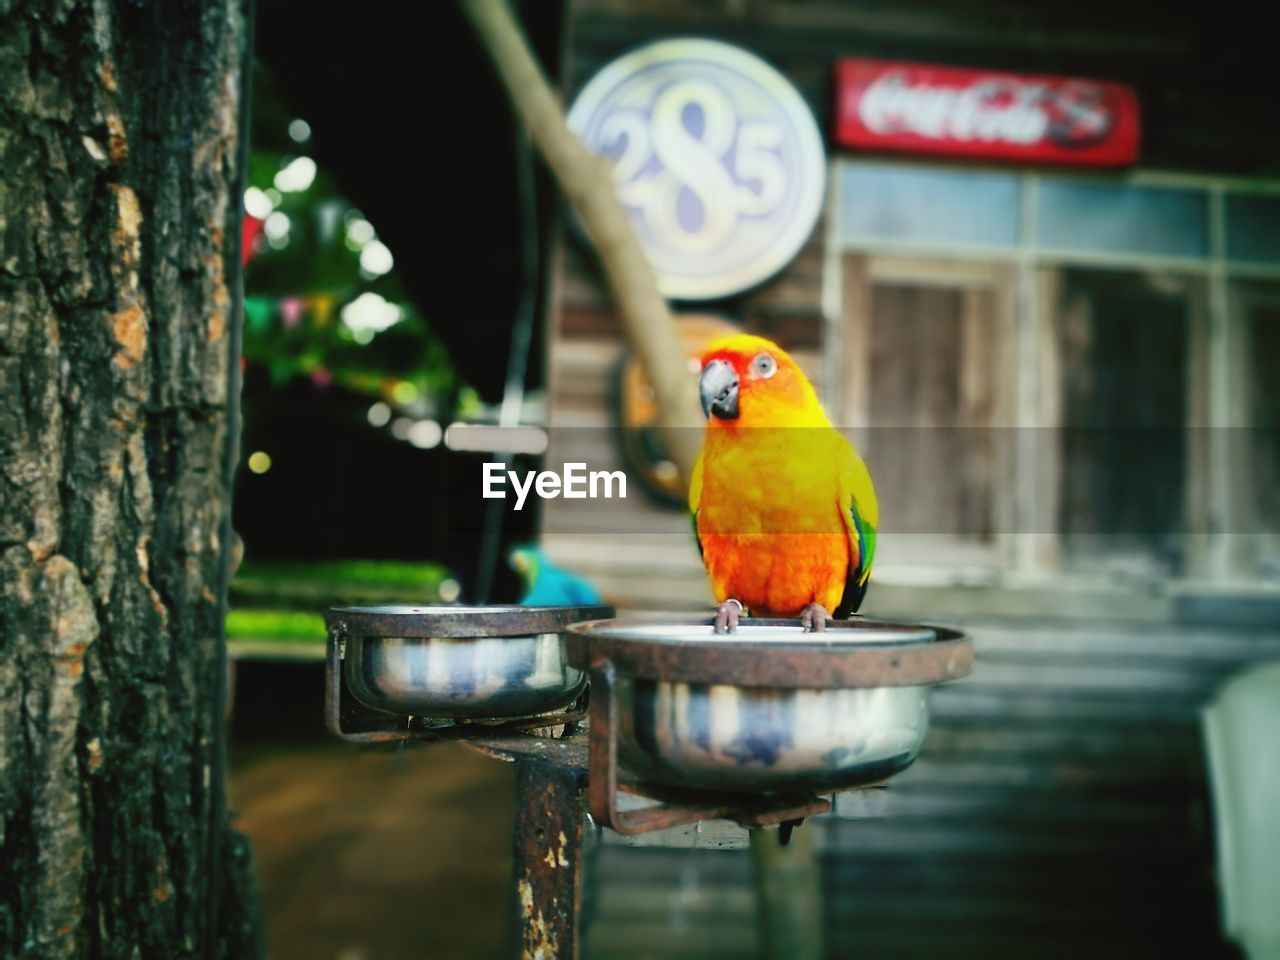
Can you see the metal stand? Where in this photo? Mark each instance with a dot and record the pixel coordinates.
(551, 806)
(558, 777)
(552, 787)
(788, 893)
(548, 857)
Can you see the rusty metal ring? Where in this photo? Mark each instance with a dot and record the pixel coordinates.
(928, 654)
(459, 621)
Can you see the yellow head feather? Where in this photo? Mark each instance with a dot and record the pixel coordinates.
(777, 397)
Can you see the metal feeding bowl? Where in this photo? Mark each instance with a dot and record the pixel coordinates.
(767, 710)
(457, 663)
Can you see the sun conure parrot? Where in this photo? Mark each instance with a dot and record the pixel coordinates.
(783, 506)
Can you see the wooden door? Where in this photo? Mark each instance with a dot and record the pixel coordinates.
(927, 371)
(1253, 514)
(1127, 383)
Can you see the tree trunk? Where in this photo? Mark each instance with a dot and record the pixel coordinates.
(119, 140)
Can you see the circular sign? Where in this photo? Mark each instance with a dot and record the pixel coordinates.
(716, 159)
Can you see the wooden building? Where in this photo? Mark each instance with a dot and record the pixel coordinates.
(1060, 378)
(1063, 383)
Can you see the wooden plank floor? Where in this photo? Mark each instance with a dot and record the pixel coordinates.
(378, 854)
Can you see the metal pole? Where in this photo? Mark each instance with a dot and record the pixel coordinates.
(512, 410)
(788, 893)
(551, 803)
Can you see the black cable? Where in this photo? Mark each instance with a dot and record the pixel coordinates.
(521, 339)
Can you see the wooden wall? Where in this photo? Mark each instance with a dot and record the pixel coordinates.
(1203, 73)
(1196, 102)
(1059, 808)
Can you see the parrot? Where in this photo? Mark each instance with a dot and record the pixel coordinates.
(547, 585)
(784, 511)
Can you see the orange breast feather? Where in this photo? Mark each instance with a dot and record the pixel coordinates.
(769, 520)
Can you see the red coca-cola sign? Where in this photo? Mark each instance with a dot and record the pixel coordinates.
(952, 111)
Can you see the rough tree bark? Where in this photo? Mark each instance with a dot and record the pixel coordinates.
(118, 146)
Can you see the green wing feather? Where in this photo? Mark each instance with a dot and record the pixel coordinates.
(862, 514)
(695, 499)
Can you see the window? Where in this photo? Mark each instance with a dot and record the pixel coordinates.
(887, 202)
(1253, 228)
(1118, 218)
(1137, 320)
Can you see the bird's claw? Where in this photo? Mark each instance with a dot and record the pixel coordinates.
(727, 615)
(813, 618)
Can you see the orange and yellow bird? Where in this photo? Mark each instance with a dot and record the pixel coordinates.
(783, 506)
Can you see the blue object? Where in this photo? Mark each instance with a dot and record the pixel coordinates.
(547, 585)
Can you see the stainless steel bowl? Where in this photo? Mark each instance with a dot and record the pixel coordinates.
(757, 733)
(472, 663)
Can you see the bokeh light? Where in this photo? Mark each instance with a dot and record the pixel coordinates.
(376, 259)
(379, 414)
(296, 176)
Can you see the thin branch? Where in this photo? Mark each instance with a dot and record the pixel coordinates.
(587, 182)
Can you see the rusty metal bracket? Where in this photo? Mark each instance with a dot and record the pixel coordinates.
(352, 721)
(443, 620)
(810, 661)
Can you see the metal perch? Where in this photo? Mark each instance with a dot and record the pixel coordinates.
(795, 717)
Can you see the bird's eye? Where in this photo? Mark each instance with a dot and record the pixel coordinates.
(764, 366)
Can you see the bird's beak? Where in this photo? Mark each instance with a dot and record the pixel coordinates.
(719, 389)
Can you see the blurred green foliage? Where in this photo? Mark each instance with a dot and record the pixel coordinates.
(353, 573)
(280, 601)
(275, 625)
(323, 302)
(305, 271)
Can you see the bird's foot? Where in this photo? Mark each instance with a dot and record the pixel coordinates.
(727, 615)
(814, 617)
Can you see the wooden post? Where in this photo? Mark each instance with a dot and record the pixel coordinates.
(587, 182)
(788, 893)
